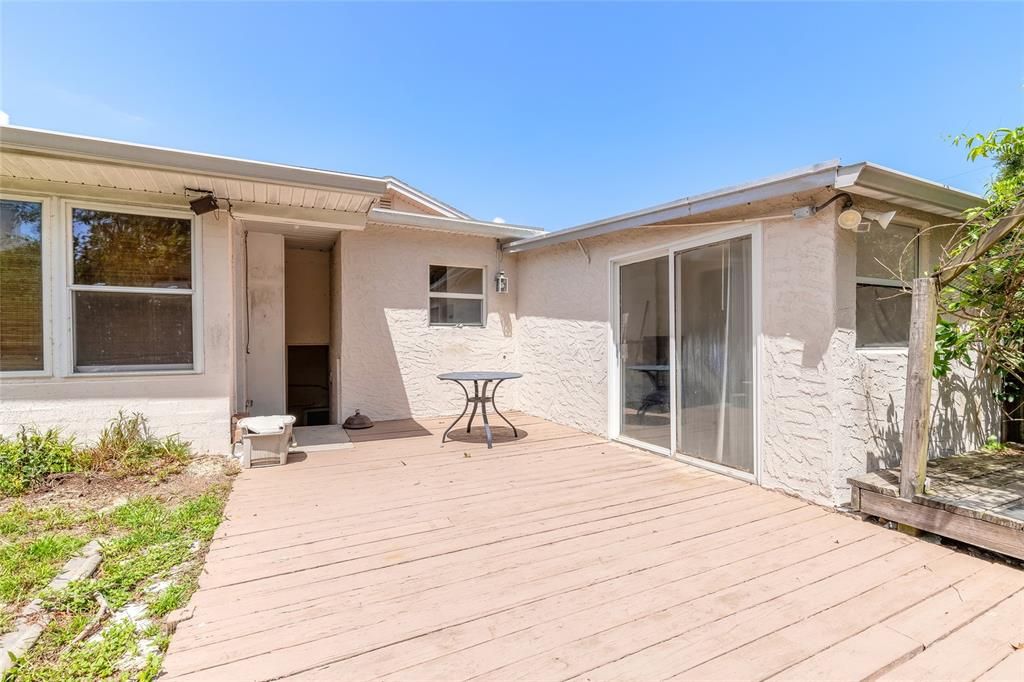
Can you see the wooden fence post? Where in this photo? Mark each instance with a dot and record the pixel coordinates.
(917, 409)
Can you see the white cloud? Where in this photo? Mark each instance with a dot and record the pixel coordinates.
(498, 220)
(4, 118)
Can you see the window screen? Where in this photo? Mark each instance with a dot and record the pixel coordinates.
(131, 291)
(885, 259)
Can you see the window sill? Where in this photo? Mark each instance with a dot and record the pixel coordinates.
(5, 376)
(135, 373)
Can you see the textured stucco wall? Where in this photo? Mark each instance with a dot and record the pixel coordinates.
(198, 406)
(266, 357)
(828, 410)
(390, 355)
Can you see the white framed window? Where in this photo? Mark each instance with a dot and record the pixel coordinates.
(456, 296)
(885, 259)
(24, 286)
(133, 289)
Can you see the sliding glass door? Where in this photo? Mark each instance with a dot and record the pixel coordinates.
(714, 348)
(685, 352)
(644, 352)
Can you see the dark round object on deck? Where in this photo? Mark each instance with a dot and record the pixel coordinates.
(357, 421)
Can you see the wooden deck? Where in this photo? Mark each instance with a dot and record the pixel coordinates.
(977, 498)
(560, 556)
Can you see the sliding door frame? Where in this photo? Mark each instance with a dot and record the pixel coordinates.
(754, 231)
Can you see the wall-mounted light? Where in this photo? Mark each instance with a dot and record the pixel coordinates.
(501, 282)
(882, 218)
(849, 218)
(206, 202)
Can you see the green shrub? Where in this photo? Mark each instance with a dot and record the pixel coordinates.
(31, 455)
(127, 447)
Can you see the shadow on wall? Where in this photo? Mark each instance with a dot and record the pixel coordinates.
(371, 377)
(959, 422)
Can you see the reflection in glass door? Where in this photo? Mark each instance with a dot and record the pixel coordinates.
(714, 354)
(643, 337)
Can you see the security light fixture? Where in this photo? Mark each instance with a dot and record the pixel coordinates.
(883, 219)
(501, 282)
(205, 203)
(849, 218)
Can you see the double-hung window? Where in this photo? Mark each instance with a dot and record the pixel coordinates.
(456, 296)
(22, 327)
(132, 290)
(885, 259)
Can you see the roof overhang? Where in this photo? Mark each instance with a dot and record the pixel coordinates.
(801, 179)
(901, 189)
(479, 228)
(45, 161)
(862, 179)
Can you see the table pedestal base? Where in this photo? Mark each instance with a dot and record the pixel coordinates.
(479, 398)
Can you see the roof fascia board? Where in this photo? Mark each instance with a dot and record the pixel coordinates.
(44, 142)
(803, 179)
(298, 216)
(384, 216)
(867, 179)
(416, 195)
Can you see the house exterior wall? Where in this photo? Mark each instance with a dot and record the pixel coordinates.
(266, 354)
(198, 405)
(390, 355)
(828, 409)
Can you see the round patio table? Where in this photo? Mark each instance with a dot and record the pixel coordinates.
(480, 398)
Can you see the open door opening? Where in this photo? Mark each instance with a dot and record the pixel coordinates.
(309, 337)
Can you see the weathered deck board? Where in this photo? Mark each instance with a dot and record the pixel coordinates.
(559, 554)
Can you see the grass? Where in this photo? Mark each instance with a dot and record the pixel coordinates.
(147, 541)
(34, 544)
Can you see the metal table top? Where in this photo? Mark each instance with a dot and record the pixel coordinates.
(479, 376)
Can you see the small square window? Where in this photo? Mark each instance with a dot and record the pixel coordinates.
(456, 296)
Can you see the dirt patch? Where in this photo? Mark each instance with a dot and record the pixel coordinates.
(82, 491)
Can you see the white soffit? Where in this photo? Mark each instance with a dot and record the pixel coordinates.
(54, 161)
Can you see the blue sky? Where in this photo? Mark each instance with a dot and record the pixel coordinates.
(543, 114)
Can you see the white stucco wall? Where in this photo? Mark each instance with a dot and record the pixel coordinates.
(390, 355)
(828, 411)
(194, 405)
(266, 356)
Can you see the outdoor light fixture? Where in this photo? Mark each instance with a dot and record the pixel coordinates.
(205, 203)
(883, 219)
(501, 282)
(850, 218)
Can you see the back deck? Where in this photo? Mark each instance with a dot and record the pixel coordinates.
(559, 555)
